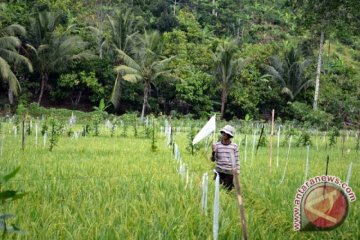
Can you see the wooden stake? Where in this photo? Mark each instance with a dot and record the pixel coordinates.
(327, 165)
(239, 197)
(241, 206)
(326, 172)
(271, 136)
(261, 134)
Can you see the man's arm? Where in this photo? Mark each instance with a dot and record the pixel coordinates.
(213, 154)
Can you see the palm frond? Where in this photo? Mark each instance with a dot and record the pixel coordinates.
(14, 30)
(123, 70)
(9, 42)
(305, 85)
(276, 63)
(287, 91)
(7, 74)
(14, 57)
(159, 65)
(275, 74)
(132, 78)
(166, 73)
(127, 59)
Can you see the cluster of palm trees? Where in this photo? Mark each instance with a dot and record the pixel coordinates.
(44, 49)
(10, 56)
(139, 57)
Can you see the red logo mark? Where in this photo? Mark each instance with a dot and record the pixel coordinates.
(326, 206)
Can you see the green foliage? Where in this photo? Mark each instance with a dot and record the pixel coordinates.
(28, 126)
(288, 134)
(44, 128)
(100, 111)
(328, 16)
(51, 51)
(85, 130)
(227, 67)
(147, 129)
(21, 110)
(69, 132)
(126, 120)
(56, 129)
(304, 112)
(146, 63)
(333, 135)
(289, 73)
(263, 141)
(195, 91)
(5, 197)
(154, 147)
(190, 136)
(251, 92)
(73, 48)
(304, 139)
(9, 55)
(106, 167)
(61, 114)
(96, 123)
(73, 85)
(135, 125)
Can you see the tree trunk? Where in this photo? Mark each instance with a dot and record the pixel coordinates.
(214, 10)
(11, 97)
(175, 2)
(77, 100)
(44, 79)
(146, 94)
(318, 72)
(116, 94)
(223, 102)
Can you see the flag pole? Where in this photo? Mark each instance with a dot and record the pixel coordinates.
(214, 133)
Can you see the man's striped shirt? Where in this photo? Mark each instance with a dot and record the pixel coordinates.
(223, 157)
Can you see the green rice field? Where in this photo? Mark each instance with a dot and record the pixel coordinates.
(116, 187)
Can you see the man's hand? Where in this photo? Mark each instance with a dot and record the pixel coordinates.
(213, 147)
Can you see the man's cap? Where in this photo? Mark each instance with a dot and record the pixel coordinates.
(229, 130)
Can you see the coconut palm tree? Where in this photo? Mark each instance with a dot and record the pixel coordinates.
(227, 67)
(123, 28)
(50, 51)
(9, 55)
(289, 73)
(144, 63)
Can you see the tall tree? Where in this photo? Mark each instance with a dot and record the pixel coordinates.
(9, 56)
(123, 28)
(227, 66)
(290, 72)
(51, 51)
(144, 63)
(327, 17)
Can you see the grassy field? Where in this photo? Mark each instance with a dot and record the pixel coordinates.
(117, 188)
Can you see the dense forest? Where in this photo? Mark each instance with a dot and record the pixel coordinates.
(185, 57)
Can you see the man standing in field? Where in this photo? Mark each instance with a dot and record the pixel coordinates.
(224, 153)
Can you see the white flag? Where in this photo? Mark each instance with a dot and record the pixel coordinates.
(207, 129)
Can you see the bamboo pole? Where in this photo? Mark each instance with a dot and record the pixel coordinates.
(241, 206)
(239, 198)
